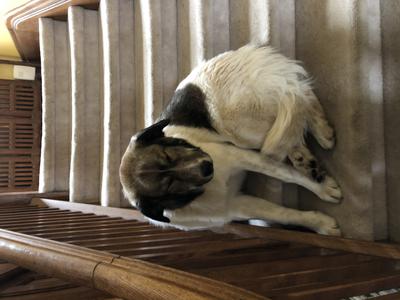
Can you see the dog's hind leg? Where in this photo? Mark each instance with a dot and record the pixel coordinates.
(245, 207)
(305, 162)
(327, 190)
(318, 124)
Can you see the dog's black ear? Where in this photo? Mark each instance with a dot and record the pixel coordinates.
(153, 207)
(180, 200)
(152, 132)
(152, 210)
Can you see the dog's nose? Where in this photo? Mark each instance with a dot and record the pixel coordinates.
(206, 168)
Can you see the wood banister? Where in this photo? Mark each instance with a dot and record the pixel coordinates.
(116, 275)
(22, 22)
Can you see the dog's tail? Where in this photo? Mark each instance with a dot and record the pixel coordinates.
(287, 129)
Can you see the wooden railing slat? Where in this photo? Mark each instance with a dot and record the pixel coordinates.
(265, 284)
(45, 219)
(262, 256)
(55, 223)
(323, 241)
(331, 290)
(251, 270)
(104, 271)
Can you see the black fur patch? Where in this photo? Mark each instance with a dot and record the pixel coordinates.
(318, 175)
(173, 142)
(152, 211)
(151, 133)
(188, 108)
(312, 164)
(153, 207)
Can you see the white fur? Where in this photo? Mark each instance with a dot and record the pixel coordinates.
(258, 99)
(222, 201)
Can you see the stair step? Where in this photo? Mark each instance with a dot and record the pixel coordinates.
(56, 103)
(121, 76)
(147, 47)
(84, 184)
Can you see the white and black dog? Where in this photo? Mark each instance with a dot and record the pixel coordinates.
(243, 110)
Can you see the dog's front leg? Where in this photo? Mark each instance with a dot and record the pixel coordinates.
(327, 190)
(209, 210)
(244, 207)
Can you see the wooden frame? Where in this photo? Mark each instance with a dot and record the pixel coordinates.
(126, 257)
(119, 276)
(20, 131)
(331, 242)
(323, 241)
(26, 197)
(20, 63)
(22, 22)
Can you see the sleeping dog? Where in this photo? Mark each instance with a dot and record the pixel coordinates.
(243, 110)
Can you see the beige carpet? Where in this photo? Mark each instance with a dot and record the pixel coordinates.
(127, 59)
(87, 105)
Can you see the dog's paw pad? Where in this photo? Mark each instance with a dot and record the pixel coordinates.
(317, 173)
(297, 156)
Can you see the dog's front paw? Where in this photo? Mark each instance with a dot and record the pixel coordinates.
(330, 190)
(327, 139)
(324, 133)
(324, 224)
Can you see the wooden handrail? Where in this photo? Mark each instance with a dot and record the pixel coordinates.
(119, 276)
(22, 22)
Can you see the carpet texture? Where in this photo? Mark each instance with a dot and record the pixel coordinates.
(117, 23)
(84, 181)
(127, 59)
(339, 43)
(391, 95)
(56, 106)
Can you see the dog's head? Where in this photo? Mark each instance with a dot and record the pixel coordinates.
(159, 172)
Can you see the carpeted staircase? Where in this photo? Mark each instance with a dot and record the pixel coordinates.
(108, 73)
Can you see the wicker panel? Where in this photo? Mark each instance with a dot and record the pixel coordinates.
(23, 174)
(19, 98)
(4, 174)
(24, 98)
(5, 136)
(18, 174)
(4, 97)
(24, 136)
(18, 136)
(20, 119)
